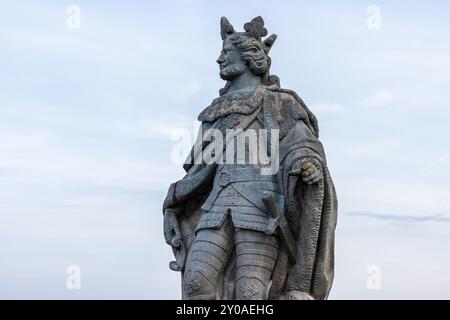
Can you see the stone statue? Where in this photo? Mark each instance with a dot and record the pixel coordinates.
(242, 229)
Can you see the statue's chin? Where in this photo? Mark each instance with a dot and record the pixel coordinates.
(230, 73)
(227, 76)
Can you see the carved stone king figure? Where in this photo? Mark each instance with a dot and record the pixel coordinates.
(255, 215)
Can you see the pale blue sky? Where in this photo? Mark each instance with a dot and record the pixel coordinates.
(86, 118)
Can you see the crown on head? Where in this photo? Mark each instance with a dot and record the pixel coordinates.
(254, 29)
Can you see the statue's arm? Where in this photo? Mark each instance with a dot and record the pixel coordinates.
(304, 195)
(309, 169)
(190, 186)
(198, 174)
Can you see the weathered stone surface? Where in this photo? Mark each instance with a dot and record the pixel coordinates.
(254, 217)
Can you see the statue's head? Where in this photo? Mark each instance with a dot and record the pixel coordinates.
(244, 50)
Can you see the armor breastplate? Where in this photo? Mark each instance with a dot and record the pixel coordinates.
(237, 191)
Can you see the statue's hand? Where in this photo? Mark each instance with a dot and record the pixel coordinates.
(172, 231)
(310, 171)
(298, 295)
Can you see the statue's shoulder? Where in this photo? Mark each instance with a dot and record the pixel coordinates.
(242, 102)
(289, 108)
(282, 100)
(282, 94)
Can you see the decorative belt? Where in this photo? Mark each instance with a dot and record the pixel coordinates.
(244, 175)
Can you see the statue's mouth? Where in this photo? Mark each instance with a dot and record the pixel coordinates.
(221, 66)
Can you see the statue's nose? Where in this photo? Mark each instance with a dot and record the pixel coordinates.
(221, 59)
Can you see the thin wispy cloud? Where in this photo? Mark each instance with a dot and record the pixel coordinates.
(404, 218)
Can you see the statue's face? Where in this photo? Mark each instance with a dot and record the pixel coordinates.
(230, 62)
